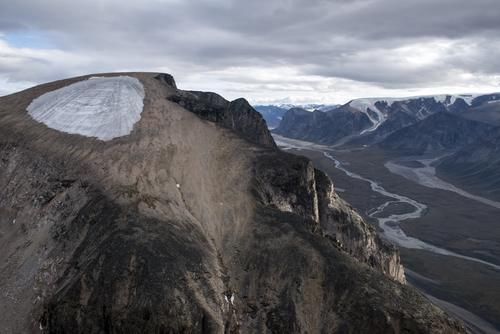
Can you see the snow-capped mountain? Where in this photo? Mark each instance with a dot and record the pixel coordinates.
(370, 120)
(310, 106)
(377, 108)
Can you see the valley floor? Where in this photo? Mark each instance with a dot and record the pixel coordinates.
(467, 276)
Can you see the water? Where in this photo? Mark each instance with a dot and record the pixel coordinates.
(426, 176)
(389, 225)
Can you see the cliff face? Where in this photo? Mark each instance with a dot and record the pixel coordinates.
(291, 184)
(359, 239)
(237, 115)
(185, 226)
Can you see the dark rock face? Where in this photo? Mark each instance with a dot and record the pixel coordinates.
(167, 79)
(440, 132)
(340, 222)
(291, 184)
(322, 127)
(237, 115)
(183, 227)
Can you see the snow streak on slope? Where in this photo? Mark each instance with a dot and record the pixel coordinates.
(102, 107)
(366, 105)
(377, 117)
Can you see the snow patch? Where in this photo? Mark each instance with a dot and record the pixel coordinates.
(102, 107)
(367, 105)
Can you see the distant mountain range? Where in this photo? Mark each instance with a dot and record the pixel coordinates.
(370, 120)
(472, 137)
(310, 106)
(273, 114)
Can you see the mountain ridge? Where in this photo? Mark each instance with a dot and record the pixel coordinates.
(387, 115)
(440, 132)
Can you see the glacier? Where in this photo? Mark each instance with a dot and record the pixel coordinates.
(366, 105)
(101, 107)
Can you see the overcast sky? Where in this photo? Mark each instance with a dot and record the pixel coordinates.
(268, 51)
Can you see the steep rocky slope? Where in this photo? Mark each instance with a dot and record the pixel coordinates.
(443, 131)
(192, 223)
(237, 115)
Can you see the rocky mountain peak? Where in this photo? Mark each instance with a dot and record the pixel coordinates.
(166, 79)
(237, 115)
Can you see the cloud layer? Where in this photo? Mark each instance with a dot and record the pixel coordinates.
(293, 50)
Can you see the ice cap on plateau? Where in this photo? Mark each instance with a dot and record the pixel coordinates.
(102, 107)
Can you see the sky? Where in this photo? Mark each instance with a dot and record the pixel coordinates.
(280, 51)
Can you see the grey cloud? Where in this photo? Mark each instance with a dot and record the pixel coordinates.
(316, 37)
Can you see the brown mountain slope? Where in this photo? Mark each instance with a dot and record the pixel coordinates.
(186, 225)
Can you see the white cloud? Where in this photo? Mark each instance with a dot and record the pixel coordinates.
(28, 65)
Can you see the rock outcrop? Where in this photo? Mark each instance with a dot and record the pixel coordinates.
(192, 223)
(237, 115)
(339, 220)
(291, 184)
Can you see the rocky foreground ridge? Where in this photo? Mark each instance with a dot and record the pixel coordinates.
(193, 223)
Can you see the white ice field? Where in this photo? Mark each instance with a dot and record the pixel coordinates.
(102, 107)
